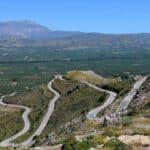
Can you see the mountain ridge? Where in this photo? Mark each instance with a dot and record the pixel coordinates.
(33, 34)
(27, 29)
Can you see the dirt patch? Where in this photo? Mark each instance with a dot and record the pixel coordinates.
(135, 139)
(8, 109)
(89, 76)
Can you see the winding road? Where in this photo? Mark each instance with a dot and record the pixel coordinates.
(25, 118)
(126, 101)
(92, 115)
(47, 116)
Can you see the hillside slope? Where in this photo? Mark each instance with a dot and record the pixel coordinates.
(29, 33)
(29, 30)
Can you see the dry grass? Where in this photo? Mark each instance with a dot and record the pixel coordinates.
(88, 76)
(91, 124)
(142, 120)
(30, 98)
(19, 148)
(8, 109)
(10, 122)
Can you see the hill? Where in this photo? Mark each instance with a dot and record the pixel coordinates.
(89, 76)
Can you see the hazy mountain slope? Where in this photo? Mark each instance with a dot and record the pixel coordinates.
(32, 34)
(96, 40)
(30, 30)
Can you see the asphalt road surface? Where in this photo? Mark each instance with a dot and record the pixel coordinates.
(30, 140)
(92, 115)
(25, 117)
(126, 101)
(47, 116)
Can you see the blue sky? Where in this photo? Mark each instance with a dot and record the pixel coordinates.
(105, 16)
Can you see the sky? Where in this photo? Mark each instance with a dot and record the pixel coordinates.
(104, 16)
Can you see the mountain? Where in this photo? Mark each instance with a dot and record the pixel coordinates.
(96, 40)
(28, 33)
(30, 30)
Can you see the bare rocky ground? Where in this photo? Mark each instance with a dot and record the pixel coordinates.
(135, 139)
(142, 98)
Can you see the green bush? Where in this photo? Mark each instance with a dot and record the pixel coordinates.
(110, 133)
(120, 88)
(126, 121)
(71, 144)
(115, 144)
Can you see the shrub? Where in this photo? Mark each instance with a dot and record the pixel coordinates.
(126, 121)
(115, 144)
(71, 144)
